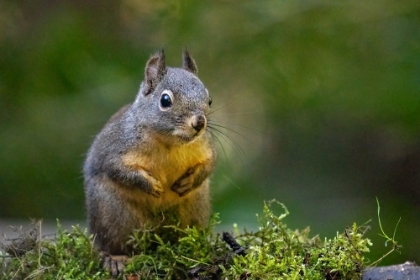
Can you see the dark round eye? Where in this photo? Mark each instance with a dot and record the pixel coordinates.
(210, 101)
(165, 100)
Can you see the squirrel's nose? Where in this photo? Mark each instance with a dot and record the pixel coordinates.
(199, 123)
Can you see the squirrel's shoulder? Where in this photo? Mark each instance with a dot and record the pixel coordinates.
(119, 113)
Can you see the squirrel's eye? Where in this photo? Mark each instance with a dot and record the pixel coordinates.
(210, 101)
(165, 100)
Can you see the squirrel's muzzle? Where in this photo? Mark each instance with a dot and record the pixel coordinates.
(198, 122)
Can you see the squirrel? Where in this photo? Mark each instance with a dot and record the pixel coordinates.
(152, 160)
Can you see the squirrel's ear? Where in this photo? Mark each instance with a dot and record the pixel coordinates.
(154, 72)
(188, 62)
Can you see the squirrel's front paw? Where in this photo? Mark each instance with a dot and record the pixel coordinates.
(154, 186)
(156, 189)
(185, 183)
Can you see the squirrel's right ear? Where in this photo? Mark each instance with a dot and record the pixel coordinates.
(188, 62)
(154, 72)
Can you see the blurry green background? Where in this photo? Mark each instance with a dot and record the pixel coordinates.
(321, 101)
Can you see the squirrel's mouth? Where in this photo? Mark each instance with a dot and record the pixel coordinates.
(192, 128)
(187, 135)
(183, 132)
(179, 135)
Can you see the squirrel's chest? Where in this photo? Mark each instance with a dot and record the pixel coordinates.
(168, 164)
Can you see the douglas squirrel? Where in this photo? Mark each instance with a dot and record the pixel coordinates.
(152, 160)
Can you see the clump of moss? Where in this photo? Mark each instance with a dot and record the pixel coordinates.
(274, 251)
(69, 255)
(158, 258)
(277, 251)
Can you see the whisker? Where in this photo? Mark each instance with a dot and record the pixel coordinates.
(240, 125)
(231, 142)
(220, 143)
(236, 114)
(232, 182)
(230, 129)
(224, 106)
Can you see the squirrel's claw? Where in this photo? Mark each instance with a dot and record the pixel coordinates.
(155, 193)
(157, 188)
(182, 188)
(154, 186)
(185, 184)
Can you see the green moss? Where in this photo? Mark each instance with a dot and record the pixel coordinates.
(274, 251)
(70, 255)
(277, 251)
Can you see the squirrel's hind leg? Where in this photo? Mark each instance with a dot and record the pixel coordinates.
(114, 264)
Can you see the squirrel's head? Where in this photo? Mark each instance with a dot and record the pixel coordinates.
(173, 102)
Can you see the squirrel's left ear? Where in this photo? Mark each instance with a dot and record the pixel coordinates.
(154, 72)
(188, 62)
